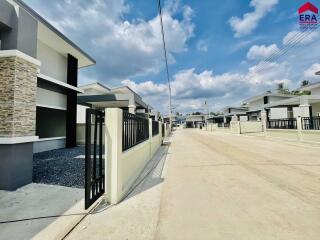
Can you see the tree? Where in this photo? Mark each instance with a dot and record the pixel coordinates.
(304, 83)
(197, 113)
(280, 86)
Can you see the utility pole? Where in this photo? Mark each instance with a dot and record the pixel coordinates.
(166, 61)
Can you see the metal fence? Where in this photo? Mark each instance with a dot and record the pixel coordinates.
(223, 125)
(310, 123)
(155, 128)
(288, 123)
(135, 130)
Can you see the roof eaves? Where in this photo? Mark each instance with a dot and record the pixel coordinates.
(52, 28)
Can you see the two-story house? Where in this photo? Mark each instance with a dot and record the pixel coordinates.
(38, 90)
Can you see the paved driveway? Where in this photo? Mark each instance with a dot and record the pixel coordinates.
(227, 187)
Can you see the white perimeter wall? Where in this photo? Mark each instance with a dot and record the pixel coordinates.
(124, 167)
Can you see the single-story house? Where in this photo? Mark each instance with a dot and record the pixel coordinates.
(38, 91)
(195, 121)
(99, 96)
(239, 112)
(258, 103)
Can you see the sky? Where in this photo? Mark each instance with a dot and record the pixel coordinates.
(220, 52)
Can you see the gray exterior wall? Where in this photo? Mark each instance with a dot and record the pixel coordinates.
(18, 32)
(15, 165)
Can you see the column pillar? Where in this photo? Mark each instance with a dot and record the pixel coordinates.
(304, 108)
(113, 150)
(264, 121)
(132, 109)
(18, 87)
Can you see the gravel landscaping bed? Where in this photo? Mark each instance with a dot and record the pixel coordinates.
(64, 167)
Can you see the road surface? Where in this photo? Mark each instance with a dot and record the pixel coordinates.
(227, 187)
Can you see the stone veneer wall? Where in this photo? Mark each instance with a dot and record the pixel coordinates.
(18, 87)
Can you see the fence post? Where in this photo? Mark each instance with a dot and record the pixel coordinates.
(299, 128)
(150, 137)
(264, 122)
(113, 152)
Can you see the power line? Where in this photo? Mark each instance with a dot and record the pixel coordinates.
(166, 58)
(294, 41)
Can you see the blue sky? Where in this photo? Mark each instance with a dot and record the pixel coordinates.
(216, 49)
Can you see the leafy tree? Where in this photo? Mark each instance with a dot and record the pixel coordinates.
(304, 83)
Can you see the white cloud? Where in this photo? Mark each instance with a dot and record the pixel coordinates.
(202, 46)
(300, 38)
(249, 22)
(262, 52)
(123, 48)
(310, 72)
(191, 89)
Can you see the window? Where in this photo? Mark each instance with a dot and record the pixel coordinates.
(266, 100)
(50, 123)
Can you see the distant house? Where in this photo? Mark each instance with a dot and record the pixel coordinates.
(195, 121)
(97, 95)
(258, 103)
(239, 112)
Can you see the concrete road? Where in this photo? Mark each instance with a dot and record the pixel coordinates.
(227, 187)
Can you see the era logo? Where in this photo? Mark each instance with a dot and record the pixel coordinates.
(308, 16)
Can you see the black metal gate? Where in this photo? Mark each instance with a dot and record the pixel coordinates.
(94, 165)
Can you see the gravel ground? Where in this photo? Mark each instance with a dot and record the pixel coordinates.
(64, 167)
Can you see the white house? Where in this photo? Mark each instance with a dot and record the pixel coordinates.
(304, 106)
(195, 121)
(258, 103)
(239, 112)
(97, 95)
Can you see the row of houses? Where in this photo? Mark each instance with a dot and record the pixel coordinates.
(277, 105)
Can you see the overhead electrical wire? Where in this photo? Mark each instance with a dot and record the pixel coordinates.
(294, 41)
(166, 59)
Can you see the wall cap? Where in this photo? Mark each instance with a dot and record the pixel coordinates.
(16, 140)
(17, 53)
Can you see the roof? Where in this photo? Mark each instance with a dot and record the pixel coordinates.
(237, 108)
(89, 60)
(305, 99)
(309, 86)
(94, 85)
(268, 94)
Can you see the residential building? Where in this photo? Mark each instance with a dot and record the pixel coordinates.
(97, 95)
(195, 121)
(303, 106)
(258, 103)
(38, 90)
(239, 112)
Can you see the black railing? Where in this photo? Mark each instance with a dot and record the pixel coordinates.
(155, 128)
(223, 125)
(288, 123)
(135, 130)
(310, 123)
